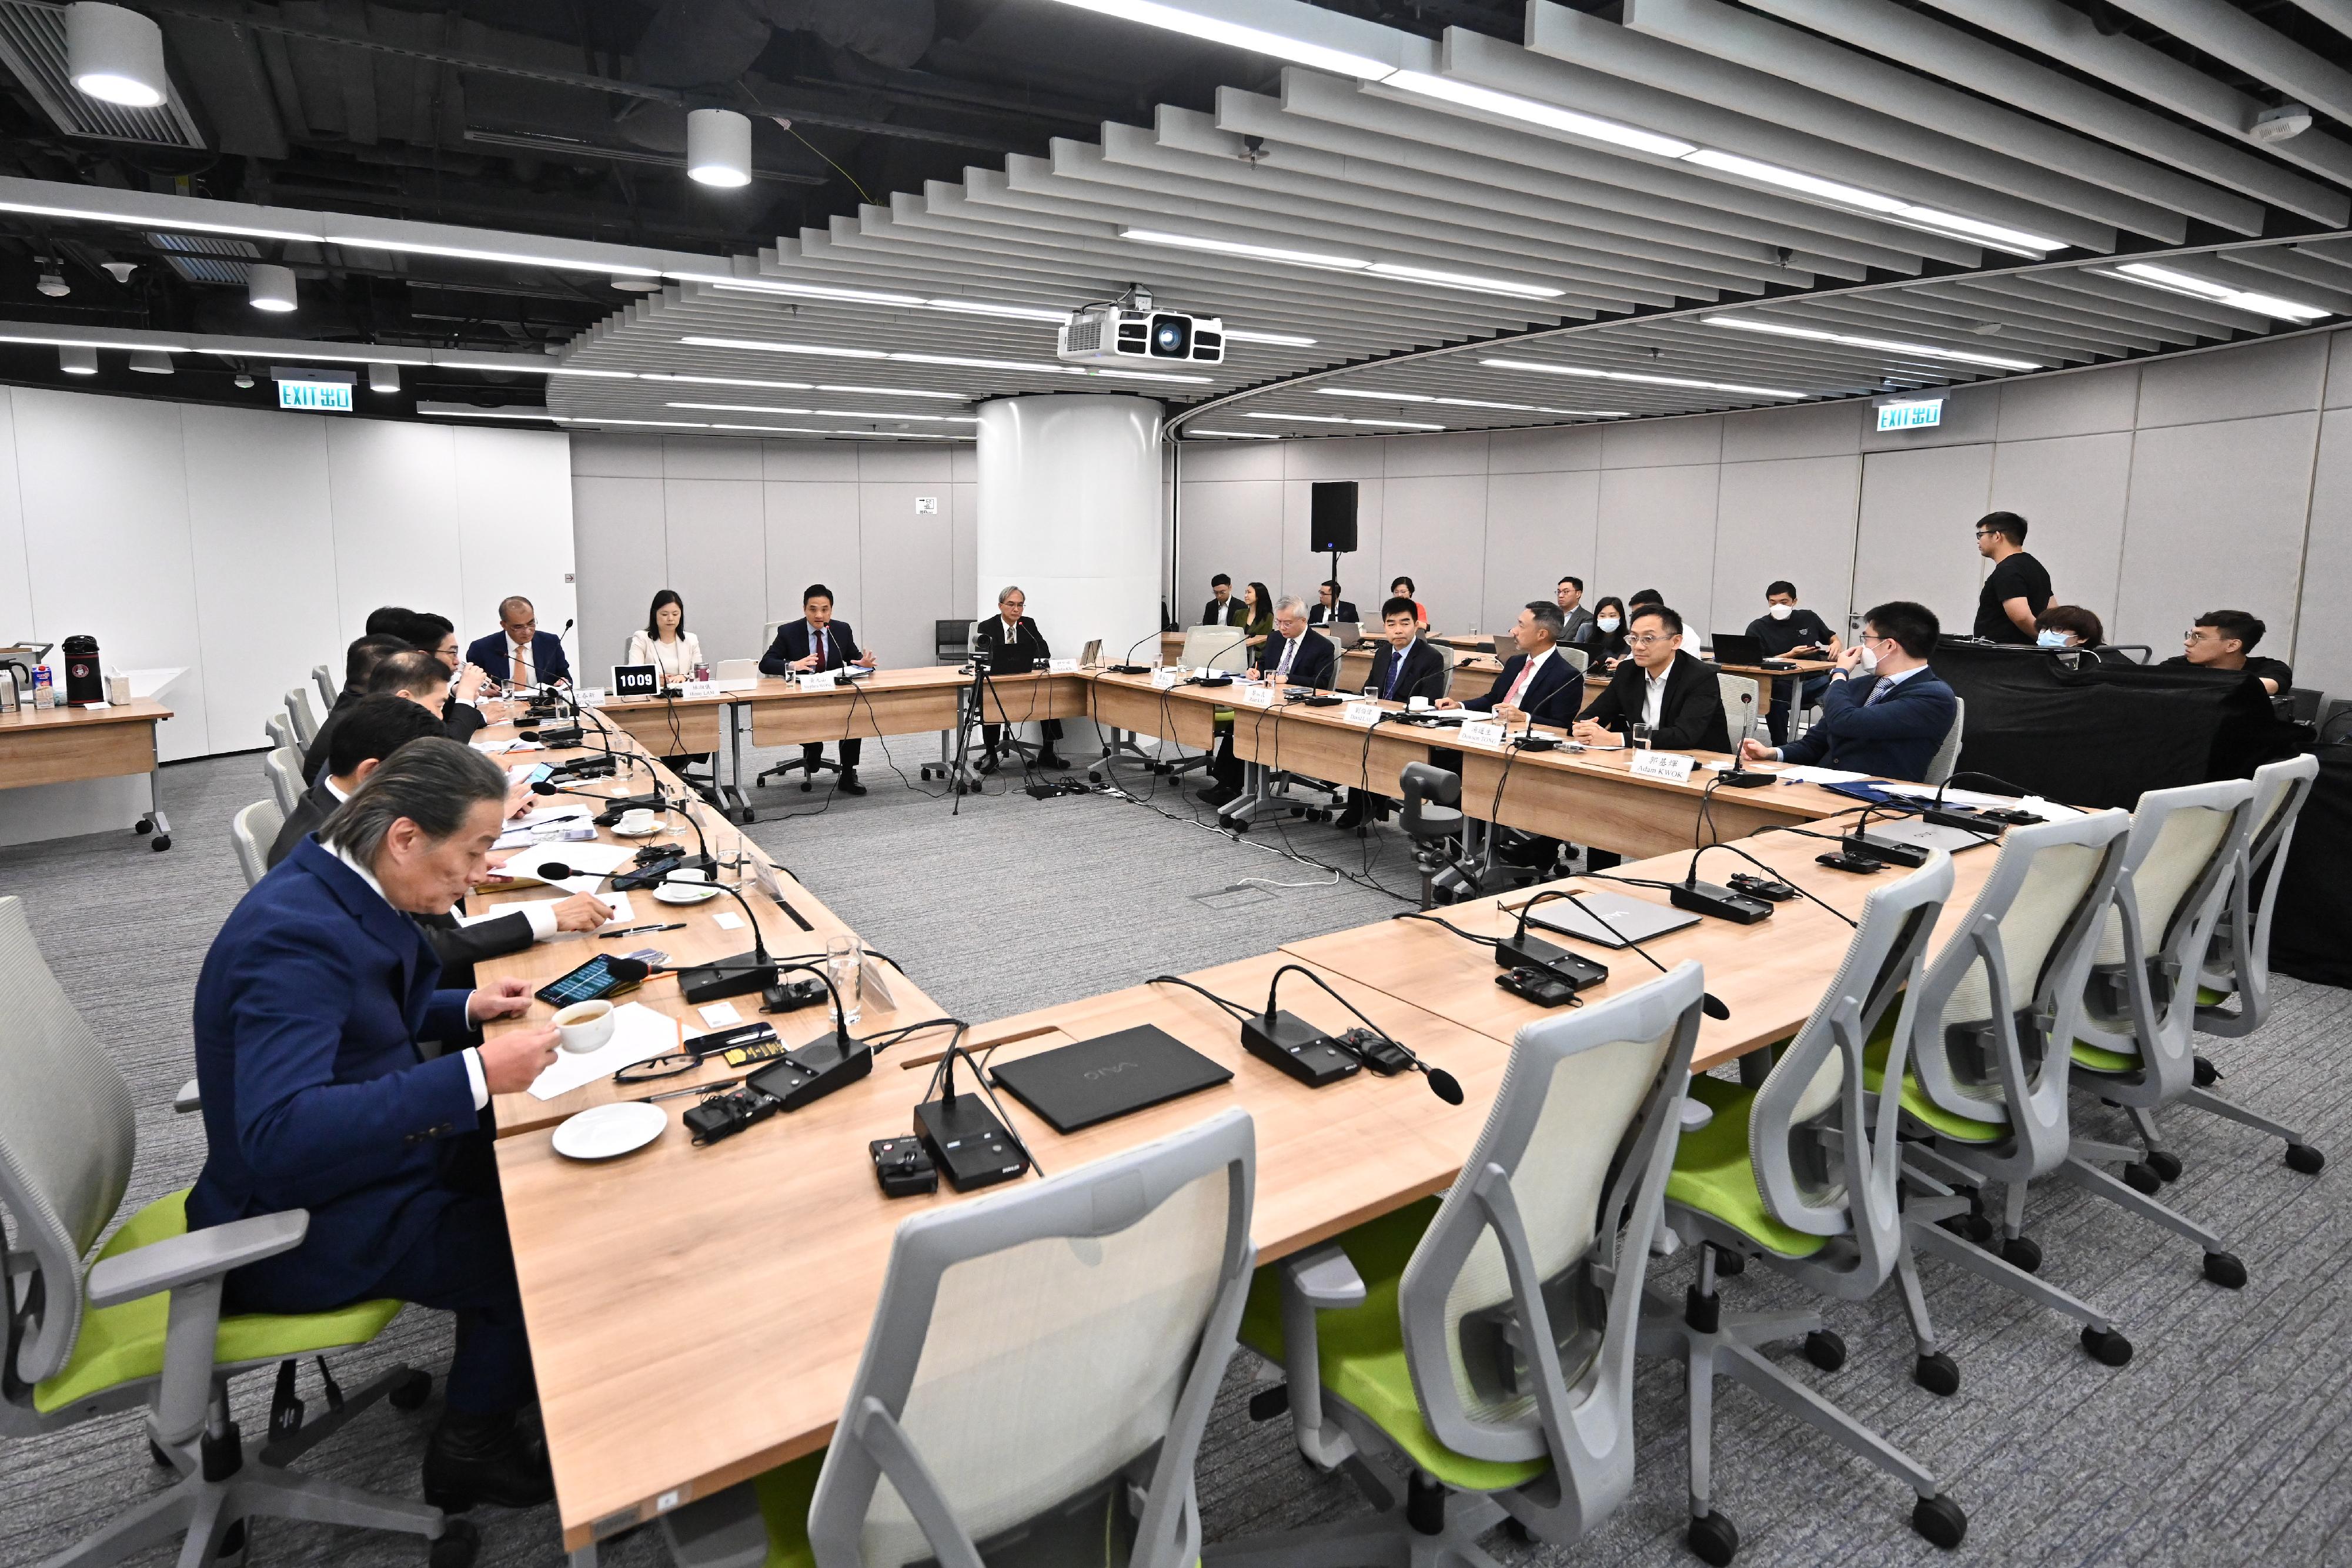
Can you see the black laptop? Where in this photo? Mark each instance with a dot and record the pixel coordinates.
(1739, 648)
(1096, 1079)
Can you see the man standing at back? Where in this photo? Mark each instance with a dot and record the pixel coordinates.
(518, 652)
(1886, 711)
(2017, 589)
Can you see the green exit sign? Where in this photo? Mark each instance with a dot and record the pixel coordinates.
(315, 397)
(1911, 415)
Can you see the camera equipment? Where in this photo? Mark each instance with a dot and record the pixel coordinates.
(724, 1116)
(1763, 887)
(1314, 1057)
(791, 996)
(904, 1167)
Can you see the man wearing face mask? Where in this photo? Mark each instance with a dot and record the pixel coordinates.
(1788, 631)
(1886, 711)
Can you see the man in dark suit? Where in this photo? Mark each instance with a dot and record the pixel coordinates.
(418, 677)
(1536, 684)
(375, 728)
(1014, 645)
(1330, 609)
(360, 660)
(810, 646)
(1291, 655)
(1222, 609)
(308, 1012)
(1674, 692)
(518, 652)
(1403, 667)
(1886, 711)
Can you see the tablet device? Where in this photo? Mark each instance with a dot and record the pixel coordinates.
(590, 982)
(1079, 1085)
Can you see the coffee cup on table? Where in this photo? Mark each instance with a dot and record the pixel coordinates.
(584, 1026)
(637, 819)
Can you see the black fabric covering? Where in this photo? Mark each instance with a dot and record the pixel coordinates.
(2101, 734)
(2311, 930)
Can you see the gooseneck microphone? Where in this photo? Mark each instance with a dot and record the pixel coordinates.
(699, 983)
(1127, 664)
(1709, 1002)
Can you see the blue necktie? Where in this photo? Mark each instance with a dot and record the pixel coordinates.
(1396, 669)
(1878, 691)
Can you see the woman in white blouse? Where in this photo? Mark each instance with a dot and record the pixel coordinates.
(668, 646)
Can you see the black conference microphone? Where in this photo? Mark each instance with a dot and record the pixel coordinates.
(721, 977)
(1306, 1053)
(1709, 1002)
(702, 862)
(1521, 951)
(1739, 776)
(1126, 666)
(2008, 816)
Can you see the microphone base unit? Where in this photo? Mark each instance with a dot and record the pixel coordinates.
(553, 738)
(967, 1143)
(1712, 898)
(808, 1074)
(1886, 852)
(1130, 669)
(1571, 969)
(1746, 778)
(1286, 1040)
(741, 975)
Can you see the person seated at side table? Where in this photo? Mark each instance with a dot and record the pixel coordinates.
(2224, 639)
(519, 652)
(1886, 711)
(1788, 630)
(1294, 655)
(1606, 641)
(1575, 620)
(673, 651)
(1011, 632)
(1257, 614)
(1403, 587)
(814, 643)
(1536, 685)
(1329, 608)
(308, 1013)
(1671, 696)
(1222, 609)
(1403, 667)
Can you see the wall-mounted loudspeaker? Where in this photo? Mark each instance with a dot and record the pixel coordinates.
(1333, 516)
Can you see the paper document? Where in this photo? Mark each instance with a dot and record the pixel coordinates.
(639, 1034)
(617, 902)
(1804, 775)
(597, 859)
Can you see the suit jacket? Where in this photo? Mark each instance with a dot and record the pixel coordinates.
(1423, 675)
(314, 761)
(990, 638)
(1316, 664)
(1317, 615)
(1551, 697)
(1689, 719)
(459, 947)
(308, 1011)
(792, 645)
(1895, 737)
(1576, 626)
(1230, 613)
(496, 655)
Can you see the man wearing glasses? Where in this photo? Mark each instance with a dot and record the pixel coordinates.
(1885, 711)
(1660, 692)
(2224, 639)
(2017, 589)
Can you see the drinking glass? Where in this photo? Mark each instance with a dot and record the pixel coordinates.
(1641, 736)
(845, 967)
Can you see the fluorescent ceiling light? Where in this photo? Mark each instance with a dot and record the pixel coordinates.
(468, 253)
(809, 291)
(1235, 247)
(1341, 419)
(985, 308)
(461, 411)
(1257, 40)
(1281, 340)
(761, 346)
(1379, 396)
(1634, 376)
(1891, 345)
(1466, 280)
(66, 340)
(1977, 228)
(1238, 434)
(2197, 287)
(1470, 403)
(1794, 180)
(1132, 375)
(959, 361)
(294, 349)
(897, 392)
(599, 419)
(1550, 115)
(952, 360)
(730, 381)
(176, 225)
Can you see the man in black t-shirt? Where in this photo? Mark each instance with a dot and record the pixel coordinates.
(2224, 639)
(1787, 631)
(2017, 589)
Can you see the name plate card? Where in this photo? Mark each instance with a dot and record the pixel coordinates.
(1482, 732)
(813, 679)
(1062, 667)
(1164, 679)
(693, 691)
(1361, 713)
(589, 696)
(1258, 697)
(1672, 767)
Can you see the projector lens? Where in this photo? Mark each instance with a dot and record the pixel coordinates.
(1171, 337)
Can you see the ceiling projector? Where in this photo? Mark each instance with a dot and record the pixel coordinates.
(1110, 334)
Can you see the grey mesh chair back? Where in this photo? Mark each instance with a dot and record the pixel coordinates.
(1992, 1021)
(1215, 648)
(283, 768)
(1948, 753)
(324, 679)
(2142, 995)
(1823, 1166)
(1520, 1305)
(1742, 705)
(297, 709)
(1579, 659)
(253, 830)
(66, 1140)
(281, 730)
(2239, 961)
(1041, 1345)
(736, 670)
(768, 630)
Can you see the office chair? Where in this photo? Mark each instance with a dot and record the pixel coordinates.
(1222, 648)
(1800, 1172)
(1579, 659)
(1947, 750)
(140, 1323)
(253, 830)
(1432, 820)
(1984, 1091)
(283, 768)
(1742, 697)
(2238, 965)
(281, 731)
(2134, 1048)
(950, 641)
(1038, 1375)
(324, 679)
(1483, 1344)
(298, 707)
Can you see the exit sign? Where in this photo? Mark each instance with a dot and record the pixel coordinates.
(318, 397)
(1911, 415)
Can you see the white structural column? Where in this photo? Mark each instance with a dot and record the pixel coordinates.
(1070, 510)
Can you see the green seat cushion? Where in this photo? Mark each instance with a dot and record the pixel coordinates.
(1713, 1175)
(1916, 1103)
(2099, 1059)
(122, 1344)
(1360, 1350)
(784, 1493)
(2207, 996)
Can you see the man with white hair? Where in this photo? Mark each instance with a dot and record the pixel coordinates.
(1292, 655)
(1014, 647)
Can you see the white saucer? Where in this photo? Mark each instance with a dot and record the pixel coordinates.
(686, 892)
(609, 1132)
(620, 832)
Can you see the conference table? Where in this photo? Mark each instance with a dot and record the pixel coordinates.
(696, 1313)
(69, 745)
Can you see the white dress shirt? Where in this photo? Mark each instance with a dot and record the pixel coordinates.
(474, 1076)
(1653, 694)
(675, 660)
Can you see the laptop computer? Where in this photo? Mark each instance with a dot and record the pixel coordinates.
(1637, 919)
(1346, 634)
(1079, 1085)
(1090, 654)
(1739, 648)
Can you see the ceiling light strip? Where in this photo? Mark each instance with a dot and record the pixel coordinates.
(1856, 340)
(1639, 378)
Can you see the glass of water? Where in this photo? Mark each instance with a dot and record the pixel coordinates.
(845, 967)
(1641, 736)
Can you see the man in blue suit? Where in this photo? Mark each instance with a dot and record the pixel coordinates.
(814, 643)
(308, 1012)
(1885, 711)
(519, 652)
(1403, 667)
(1535, 682)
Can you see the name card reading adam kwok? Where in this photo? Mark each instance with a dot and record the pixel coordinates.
(1670, 766)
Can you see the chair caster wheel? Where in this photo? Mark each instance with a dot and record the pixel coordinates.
(2107, 1346)
(155, 1452)
(1713, 1537)
(161, 843)
(2022, 1253)
(230, 1553)
(1825, 1350)
(2223, 1269)
(807, 786)
(2165, 1164)
(2203, 1073)
(142, 827)
(1730, 1263)
(749, 817)
(2304, 1158)
(1938, 1373)
(460, 1543)
(1939, 1519)
(1516, 1529)
(2141, 1178)
(411, 1391)
(1971, 1227)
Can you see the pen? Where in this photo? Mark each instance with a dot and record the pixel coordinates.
(634, 930)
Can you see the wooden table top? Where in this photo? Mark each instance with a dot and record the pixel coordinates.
(141, 710)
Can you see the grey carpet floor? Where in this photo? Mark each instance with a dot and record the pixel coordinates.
(2225, 1440)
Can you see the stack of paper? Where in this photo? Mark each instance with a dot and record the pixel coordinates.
(599, 861)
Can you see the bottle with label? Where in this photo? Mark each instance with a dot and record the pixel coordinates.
(7, 688)
(44, 689)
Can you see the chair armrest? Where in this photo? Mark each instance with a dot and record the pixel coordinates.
(1324, 1279)
(194, 1256)
(189, 1098)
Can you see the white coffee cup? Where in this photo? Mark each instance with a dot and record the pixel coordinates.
(1416, 703)
(639, 819)
(584, 1026)
(690, 873)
